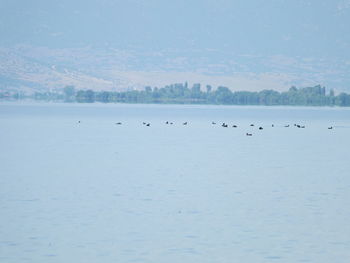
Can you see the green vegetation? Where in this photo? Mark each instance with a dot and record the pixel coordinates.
(181, 94)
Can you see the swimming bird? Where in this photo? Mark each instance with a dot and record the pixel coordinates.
(166, 122)
(234, 126)
(261, 128)
(251, 125)
(148, 124)
(224, 125)
(118, 123)
(330, 128)
(272, 125)
(286, 126)
(213, 123)
(185, 123)
(248, 134)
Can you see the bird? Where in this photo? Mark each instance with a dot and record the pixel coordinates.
(118, 123)
(286, 126)
(213, 123)
(248, 134)
(251, 125)
(261, 128)
(166, 122)
(148, 124)
(330, 128)
(224, 125)
(234, 126)
(185, 123)
(272, 125)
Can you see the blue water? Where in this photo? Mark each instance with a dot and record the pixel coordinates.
(95, 191)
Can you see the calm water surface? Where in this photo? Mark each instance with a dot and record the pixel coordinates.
(95, 191)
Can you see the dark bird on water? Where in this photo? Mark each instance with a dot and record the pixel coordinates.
(248, 134)
(330, 128)
(261, 128)
(185, 123)
(234, 126)
(148, 124)
(272, 125)
(118, 123)
(224, 125)
(213, 123)
(286, 126)
(252, 125)
(166, 122)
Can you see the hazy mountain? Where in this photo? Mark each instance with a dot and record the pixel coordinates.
(110, 44)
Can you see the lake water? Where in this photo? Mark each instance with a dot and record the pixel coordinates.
(95, 191)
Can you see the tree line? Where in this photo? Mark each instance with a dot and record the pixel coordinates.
(180, 93)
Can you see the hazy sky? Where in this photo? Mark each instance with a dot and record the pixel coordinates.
(290, 27)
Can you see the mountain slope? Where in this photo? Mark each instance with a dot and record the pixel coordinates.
(31, 68)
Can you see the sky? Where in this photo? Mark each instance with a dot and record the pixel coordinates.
(304, 28)
(314, 29)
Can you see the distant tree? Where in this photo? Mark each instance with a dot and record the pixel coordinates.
(90, 96)
(269, 97)
(343, 99)
(80, 96)
(293, 89)
(155, 94)
(104, 96)
(196, 91)
(85, 96)
(223, 95)
(69, 92)
(209, 88)
(148, 89)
